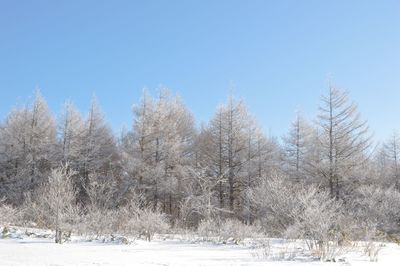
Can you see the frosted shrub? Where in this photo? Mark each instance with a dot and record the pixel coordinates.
(53, 206)
(228, 230)
(32, 213)
(320, 222)
(236, 230)
(208, 229)
(130, 220)
(149, 223)
(309, 213)
(379, 207)
(276, 210)
(99, 223)
(8, 214)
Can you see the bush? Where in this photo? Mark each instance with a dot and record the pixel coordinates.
(130, 219)
(320, 222)
(147, 223)
(308, 213)
(276, 210)
(8, 214)
(99, 223)
(237, 230)
(208, 229)
(228, 230)
(377, 207)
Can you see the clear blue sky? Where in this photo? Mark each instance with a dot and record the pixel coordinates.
(278, 54)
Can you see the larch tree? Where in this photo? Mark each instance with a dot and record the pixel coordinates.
(27, 146)
(392, 154)
(297, 149)
(98, 154)
(163, 134)
(70, 131)
(263, 159)
(344, 139)
(231, 144)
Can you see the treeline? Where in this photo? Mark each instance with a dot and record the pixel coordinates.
(225, 169)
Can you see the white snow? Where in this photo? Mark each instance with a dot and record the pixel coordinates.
(19, 249)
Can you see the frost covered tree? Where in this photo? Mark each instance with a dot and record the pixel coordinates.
(70, 135)
(56, 202)
(298, 149)
(70, 131)
(161, 148)
(223, 151)
(235, 152)
(344, 139)
(391, 150)
(98, 154)
(200, 201)
(263, 158)
(27, 144)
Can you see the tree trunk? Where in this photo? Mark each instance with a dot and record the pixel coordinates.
(58, 236)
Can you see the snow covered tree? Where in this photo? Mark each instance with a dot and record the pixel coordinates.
(56, 202)
(224, 150)
(235, 152)
(69, 146)
(298, 147)
(98, 154)
(391, 151)
(344, 139)
(70, 131)
(200, 201)
(263, 158)
(27, 144)
(162, 138)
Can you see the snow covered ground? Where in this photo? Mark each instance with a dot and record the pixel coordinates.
(35, 250)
